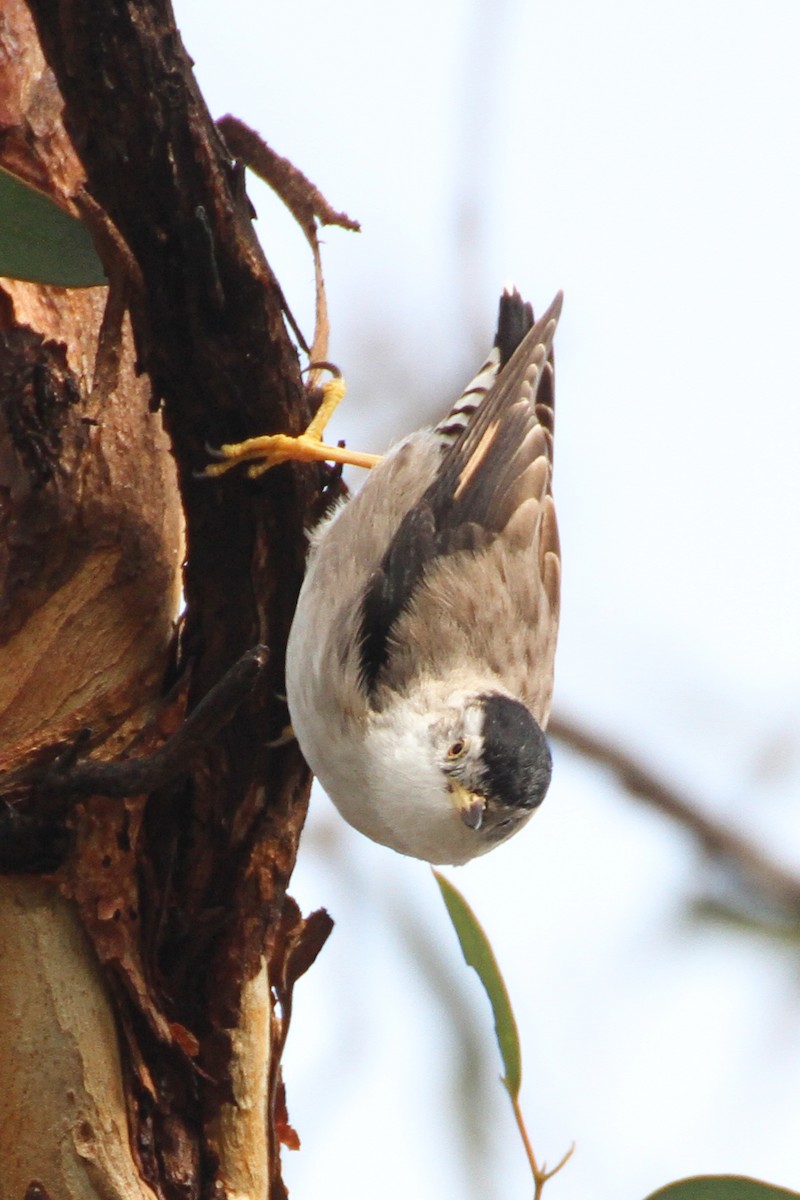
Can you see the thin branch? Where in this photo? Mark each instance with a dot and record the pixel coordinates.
(718, 840)
(298, 193)
(136, 776)
(304, 201)
(36, 839)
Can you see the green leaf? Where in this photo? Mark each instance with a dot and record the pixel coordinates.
(721, 1187)
(479, 954)
(40, 242)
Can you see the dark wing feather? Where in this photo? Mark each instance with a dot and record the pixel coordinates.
(514, 319)
(411, 548)
(476, 490)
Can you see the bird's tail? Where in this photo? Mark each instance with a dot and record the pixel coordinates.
(514, 319)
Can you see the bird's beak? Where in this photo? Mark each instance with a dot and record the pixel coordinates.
(469, 807)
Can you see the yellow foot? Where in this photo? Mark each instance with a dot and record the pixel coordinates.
(270, 451)
(273, 449)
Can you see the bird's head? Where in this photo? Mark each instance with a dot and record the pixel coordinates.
(454, 773)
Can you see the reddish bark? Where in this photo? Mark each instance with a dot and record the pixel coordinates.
(183, 890)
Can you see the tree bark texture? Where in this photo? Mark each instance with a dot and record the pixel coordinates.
(158, 919)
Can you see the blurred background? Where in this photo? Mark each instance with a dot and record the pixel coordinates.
(644, 158)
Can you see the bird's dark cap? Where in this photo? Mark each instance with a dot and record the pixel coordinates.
(516, 759)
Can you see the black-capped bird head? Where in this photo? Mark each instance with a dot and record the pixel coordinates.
(498, 765)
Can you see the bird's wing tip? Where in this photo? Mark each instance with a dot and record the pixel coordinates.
(554, 311)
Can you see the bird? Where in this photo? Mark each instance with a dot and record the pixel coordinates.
(419, 665)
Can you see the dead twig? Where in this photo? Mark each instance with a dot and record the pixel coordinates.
(135, 776)
(305, 202)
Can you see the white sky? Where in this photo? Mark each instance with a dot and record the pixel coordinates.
(644, 157)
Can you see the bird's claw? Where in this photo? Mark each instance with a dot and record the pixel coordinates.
(216, 453)
(261, 452)
(269, 451)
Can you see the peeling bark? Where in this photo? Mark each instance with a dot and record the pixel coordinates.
(175, 898)
(67, 1123)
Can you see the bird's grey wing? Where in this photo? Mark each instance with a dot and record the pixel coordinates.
(345, 554)
(493, 481)
(487, 616)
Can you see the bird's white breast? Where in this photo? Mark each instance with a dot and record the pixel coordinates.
(329, 712)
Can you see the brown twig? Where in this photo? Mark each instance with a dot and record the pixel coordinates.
(305, 202)
(298, 193)
(719, 840)
(135, 776)
(35, 839)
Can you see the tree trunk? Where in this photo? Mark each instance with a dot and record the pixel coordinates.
(148, 948)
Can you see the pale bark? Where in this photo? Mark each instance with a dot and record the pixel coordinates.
(63, 1117)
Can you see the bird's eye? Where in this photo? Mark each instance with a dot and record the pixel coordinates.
(457, 748)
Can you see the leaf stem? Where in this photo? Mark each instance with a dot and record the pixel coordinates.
(540, 1174)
